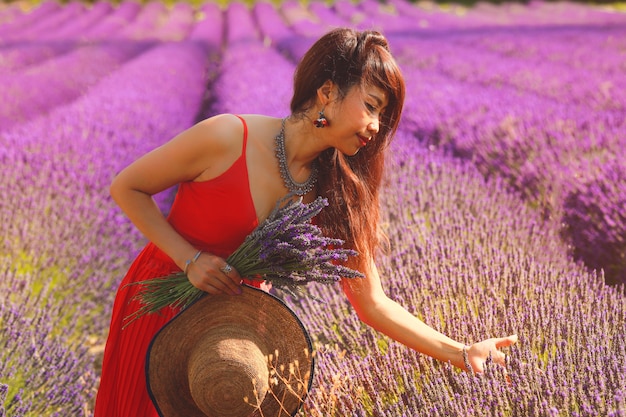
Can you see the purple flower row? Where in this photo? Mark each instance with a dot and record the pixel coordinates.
(546, 148)
(59, 224)
(596, 221)
(48, 363)
(43, 20)
(34, 90)
(254, 77)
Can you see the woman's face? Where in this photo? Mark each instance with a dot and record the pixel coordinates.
(355, 119)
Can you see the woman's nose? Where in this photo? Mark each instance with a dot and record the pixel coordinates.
(373, 126)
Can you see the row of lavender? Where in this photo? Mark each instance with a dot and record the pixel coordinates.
(64, 244)
(565, 158)
(475, 262)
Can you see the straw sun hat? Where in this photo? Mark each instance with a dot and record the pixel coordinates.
(231, 356)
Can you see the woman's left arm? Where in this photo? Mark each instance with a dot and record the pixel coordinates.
(377, 310)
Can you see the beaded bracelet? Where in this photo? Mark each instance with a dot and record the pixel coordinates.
(192, 260)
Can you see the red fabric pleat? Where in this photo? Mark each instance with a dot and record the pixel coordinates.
(123, 390)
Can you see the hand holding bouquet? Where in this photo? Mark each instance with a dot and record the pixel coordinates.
(286, 249)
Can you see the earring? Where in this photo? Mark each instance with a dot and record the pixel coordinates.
(321, 121)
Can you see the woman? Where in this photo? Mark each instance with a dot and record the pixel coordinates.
(231, 170)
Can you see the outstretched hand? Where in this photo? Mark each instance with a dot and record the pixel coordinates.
(479, 352)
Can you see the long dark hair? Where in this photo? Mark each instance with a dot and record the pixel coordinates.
(351, 58)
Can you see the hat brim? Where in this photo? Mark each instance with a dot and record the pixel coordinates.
(268, 317)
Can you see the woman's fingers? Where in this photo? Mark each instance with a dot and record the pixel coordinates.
(502, 342)
(206, 275)
(233, 280)
(490, 347)
(215, 285)
(505, 341)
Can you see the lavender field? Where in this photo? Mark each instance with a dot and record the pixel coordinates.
(504, 201)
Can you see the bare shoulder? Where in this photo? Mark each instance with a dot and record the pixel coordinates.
(261, 129)
(225, 132)
(221, 131)
(220, 140)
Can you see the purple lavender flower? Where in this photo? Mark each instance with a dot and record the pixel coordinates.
(596, 221)
(4, 389)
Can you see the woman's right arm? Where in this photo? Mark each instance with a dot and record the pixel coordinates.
(377, 310)
(204, 149)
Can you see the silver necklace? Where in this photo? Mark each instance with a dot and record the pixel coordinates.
(298, 188)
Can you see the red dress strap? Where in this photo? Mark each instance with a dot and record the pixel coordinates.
(245, 134)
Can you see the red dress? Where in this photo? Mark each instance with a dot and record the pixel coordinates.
(215, 216)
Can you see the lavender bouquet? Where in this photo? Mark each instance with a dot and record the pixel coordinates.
(286, 249)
